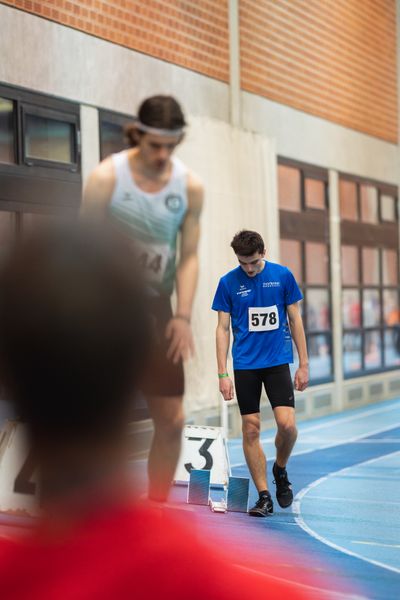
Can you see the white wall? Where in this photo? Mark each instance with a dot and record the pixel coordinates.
(238, 194)
(306, 138)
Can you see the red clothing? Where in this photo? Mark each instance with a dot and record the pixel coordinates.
(130, 554)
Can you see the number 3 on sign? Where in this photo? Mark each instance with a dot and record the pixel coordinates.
(203, 451)
(263, 318)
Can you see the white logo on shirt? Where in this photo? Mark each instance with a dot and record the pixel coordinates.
(243, 291)
(269, 284)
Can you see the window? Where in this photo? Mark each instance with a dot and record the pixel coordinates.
(39, 152)
(305, 251)
(49, 140)
(370, 277)
(289, 188)
(7, 131)
(112, 138)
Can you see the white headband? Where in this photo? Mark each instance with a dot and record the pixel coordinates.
(156, 131)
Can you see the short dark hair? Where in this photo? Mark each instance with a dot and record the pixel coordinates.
(161, 112)
(73, 333)
(246, 243)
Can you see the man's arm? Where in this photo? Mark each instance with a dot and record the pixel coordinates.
(188, 267)
(222, 339)
(296, 327)
(178, 329)
(98, 191)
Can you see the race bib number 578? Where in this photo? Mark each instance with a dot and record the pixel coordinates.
(264, 318)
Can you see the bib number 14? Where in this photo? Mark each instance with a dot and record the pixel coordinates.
(263, 318)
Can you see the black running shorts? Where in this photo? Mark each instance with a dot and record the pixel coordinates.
(163, 377)
(277, 383)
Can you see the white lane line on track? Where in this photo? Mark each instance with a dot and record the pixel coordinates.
(328, 594)
(300, 521)
(376, 543)
(348, 500)
(332, 444)
(337, 421)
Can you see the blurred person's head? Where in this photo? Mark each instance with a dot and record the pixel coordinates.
(73, 338)
(158, 129)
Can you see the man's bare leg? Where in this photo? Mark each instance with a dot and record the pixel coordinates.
(286, 435)
(253, 452)
(284, 441)
(168, 418)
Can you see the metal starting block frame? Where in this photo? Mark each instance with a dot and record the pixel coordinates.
(237, 493)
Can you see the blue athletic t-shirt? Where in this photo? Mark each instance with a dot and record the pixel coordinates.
(257, 306)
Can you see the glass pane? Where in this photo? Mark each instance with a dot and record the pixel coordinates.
(291, 257)
(112, 138)
(289, 183)
(350, 274)
(319, 355)
(317, 310)
(6, 131)
(389, 262)
(351, 313)
(392, 347)
(351, 352)
(370, 266)
(348, 200)
(316, 263)
(49, 139)
(373, 357)
(369, 204)
(391, 307)
(371, 308)
(388, 208)
(315, 193)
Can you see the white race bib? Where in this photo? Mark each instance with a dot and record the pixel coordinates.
(153, 258)
(263, 318)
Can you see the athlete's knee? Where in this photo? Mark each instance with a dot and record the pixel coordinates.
(170, 423)
(251, 430)
(288, 429)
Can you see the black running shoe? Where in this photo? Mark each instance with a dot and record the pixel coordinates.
(284, 493)
(263, 507)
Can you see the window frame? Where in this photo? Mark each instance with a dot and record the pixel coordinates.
(382, 236)
(53, 186)
(56, 115)
(310, 224)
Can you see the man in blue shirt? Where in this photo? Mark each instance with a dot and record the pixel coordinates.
(261, 299)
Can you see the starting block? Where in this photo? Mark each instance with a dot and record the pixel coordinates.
(199, 492)
(238, 494)
(199, 487)
(204, 463)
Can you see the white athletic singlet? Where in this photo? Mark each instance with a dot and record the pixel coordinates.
(152, 219)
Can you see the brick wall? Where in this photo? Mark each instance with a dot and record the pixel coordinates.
(335, 59)
(193, 34)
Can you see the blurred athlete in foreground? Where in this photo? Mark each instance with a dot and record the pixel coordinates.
(153, 197)
(73, 340)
